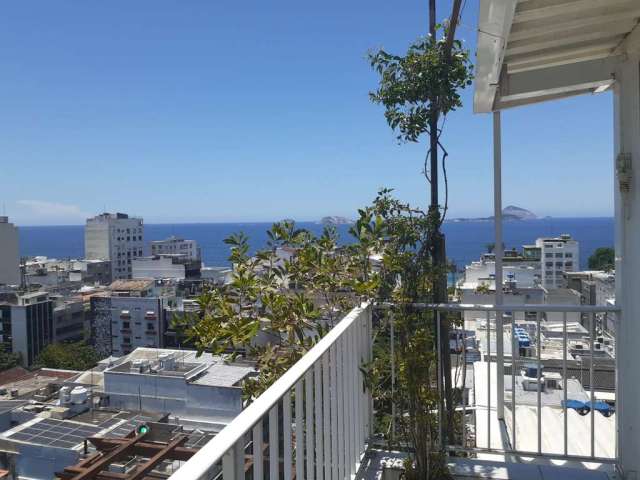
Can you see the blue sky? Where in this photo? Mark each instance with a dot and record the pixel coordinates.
(191, 111)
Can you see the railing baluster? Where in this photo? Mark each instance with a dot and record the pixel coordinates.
(488, 353)
(286, 436)
(515, 356)
(258, 461)
(349, 398)
(274, 454)
(308, 391)
(440, 371)
(326, 399)
(341, 406)
(355, 446)
(335, 459)
(319, 445)
(299, 431)
(464, 401)
(564, 377)
(393, 374)
(539, 387)
(233, 462)
(591, 381)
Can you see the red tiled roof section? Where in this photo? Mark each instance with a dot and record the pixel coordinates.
(12, 375)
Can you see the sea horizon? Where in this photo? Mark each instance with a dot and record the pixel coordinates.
(465, 240)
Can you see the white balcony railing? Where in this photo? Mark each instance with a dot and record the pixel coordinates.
(315, 421)
(312, 423)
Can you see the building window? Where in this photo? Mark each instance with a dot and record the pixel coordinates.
(126, 325)
(568, 255)
(549, 264)
(569, 264)
(559, 264)
(558, 255)
(548, 255)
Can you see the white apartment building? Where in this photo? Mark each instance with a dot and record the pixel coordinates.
(115, 237)
(176, 246)
(9, 253)
(557, 256)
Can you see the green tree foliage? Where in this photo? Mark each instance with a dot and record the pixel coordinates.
(8, 360)
(67, 356)
(426, 80)
(291, 304)
(604, 258)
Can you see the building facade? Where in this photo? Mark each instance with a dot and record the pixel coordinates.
(557, 256)
(166, 266)
(69, 321)
(115, 237)
(132, 315)
(176, 246)
(26, 325)
(9, 253)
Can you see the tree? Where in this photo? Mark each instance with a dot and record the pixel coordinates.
(604, 258)
(291, 304)
(8, 360)
(67, 356)
(417, 90)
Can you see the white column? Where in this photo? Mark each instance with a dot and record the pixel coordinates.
(498, 250)
(627, 233)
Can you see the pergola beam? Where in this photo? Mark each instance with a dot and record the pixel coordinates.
(554, 81)
(552, 9)
(145, 449)
(536, 28)
(164, 453)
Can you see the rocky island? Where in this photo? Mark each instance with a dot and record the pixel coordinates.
(509, 213)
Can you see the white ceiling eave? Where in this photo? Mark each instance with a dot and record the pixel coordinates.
(550, 49)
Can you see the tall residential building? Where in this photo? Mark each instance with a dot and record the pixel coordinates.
(115, 237)
(557, 256)
(176, 246)
(26, 325)
(9, 253)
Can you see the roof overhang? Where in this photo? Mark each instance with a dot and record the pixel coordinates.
(531, 51)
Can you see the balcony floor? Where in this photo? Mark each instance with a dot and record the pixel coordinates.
(465, 469)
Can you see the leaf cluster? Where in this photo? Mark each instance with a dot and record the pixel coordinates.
(425, 81)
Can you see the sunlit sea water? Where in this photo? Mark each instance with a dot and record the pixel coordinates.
(465, 241)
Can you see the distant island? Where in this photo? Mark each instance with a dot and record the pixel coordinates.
(510, 213)
(334, 220)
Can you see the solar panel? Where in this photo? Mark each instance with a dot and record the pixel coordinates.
(57, 433)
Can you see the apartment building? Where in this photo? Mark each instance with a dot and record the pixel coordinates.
(115, 237)
(69, 320)
(176, 246)
(26, 324)
(557, 256)
(9, 253)
(130, 315)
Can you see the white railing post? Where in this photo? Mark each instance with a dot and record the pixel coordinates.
(499, 252)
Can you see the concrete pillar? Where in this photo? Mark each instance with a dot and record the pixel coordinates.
(627, 233)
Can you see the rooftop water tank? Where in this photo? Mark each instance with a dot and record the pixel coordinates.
(79, 395)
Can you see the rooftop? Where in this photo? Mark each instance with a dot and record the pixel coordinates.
(136, 285)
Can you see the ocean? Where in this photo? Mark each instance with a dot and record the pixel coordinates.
(465, 241)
